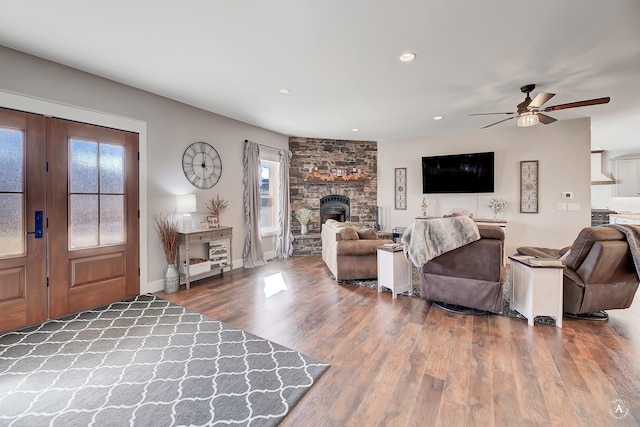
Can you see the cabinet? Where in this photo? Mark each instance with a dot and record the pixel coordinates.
(394, 270)
(627, 175)
(536, 290)
(218, 253)
(624, 219)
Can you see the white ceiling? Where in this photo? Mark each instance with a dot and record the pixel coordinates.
(339, 58)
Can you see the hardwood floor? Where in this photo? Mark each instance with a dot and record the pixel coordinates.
(402, 362)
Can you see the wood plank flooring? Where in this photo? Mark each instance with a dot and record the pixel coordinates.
(402, 362)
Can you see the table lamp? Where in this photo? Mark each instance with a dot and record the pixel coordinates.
(186, 203)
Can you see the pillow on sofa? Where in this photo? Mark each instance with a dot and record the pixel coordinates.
(348, 233)
(367, 234)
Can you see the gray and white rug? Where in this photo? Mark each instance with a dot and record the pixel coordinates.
(147, 362)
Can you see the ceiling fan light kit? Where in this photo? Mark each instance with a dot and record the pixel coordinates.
(528, 119)
(530, 111)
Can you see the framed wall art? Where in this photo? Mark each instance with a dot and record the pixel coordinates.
(400, 177)
(529, 186)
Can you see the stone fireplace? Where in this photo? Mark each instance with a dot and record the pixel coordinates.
(335, 207)
(343, 174)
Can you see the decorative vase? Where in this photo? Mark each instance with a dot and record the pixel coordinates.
(214, 221)
(304, 229)
(171, 279)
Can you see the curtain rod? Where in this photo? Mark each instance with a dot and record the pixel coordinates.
(266, 146)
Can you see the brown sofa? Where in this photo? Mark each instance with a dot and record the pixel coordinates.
(470, 276)
(600, 273)
(349, 250)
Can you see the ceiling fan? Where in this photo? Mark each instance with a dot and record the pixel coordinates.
(530, 112)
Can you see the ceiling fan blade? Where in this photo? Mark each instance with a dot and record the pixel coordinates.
(545, 120)
(541, 98)
(486, 114)
(578, 104)
(508, 118)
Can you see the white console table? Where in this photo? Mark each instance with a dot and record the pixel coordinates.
(497, 222)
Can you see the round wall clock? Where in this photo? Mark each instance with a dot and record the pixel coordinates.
(202, 165)
(401, 188)
(529, 186)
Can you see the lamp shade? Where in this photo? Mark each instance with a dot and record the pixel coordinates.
(528, 119)
(186, 203)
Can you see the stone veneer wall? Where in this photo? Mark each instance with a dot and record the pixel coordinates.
(325, 154)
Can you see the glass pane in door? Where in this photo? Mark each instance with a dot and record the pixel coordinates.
(12, 219)
(83, 170)
(111, 168)
(11, 225)
(111, 219)
(83, 224)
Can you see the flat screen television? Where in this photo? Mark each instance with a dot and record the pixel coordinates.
(458, 173)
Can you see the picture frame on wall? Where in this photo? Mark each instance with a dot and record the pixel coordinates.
(400, 188)
(529, 186)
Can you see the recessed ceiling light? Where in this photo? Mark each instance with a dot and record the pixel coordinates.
(284, 91)
(355, 130)
(438, 117)
(407, 57)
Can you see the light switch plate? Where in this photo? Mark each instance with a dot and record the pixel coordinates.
(574, 206)
(562, 206)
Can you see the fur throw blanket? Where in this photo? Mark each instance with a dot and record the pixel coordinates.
(633, 239)
(425, 240)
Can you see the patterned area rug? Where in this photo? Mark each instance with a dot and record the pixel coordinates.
(147, 362)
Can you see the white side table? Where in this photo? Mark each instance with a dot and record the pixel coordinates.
(536, 290)
(394, 271)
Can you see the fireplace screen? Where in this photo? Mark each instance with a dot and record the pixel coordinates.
(335, 207)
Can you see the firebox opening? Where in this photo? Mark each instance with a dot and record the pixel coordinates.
(335, 207)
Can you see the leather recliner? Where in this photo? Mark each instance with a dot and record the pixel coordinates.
(470, 276)
(600, 273)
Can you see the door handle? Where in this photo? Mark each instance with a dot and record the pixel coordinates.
(38, 224)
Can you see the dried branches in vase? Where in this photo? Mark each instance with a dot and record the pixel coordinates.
(167, 228)
(217, 206)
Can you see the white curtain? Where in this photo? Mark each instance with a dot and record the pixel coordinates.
(284, 238)
(252, 256)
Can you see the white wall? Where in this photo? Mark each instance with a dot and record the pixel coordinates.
(563, 152)
(602, 195)
(170, 127)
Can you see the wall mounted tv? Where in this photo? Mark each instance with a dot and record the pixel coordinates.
(458, 173)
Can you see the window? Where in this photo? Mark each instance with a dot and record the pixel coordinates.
(269, 191)
(12, 192)
(96, 196)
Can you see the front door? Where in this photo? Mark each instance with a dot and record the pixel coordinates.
(23, 273)
(87, 254)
